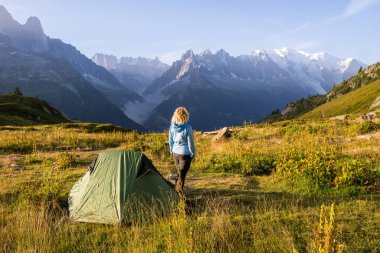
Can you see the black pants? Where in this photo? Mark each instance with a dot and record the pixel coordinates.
(182, 163)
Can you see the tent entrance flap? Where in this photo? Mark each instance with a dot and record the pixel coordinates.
(150, 197)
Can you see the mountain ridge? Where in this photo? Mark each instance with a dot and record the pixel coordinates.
(51, 69)
(257, 74)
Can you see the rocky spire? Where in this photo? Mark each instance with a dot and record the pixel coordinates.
(33, 25)
(187, 55)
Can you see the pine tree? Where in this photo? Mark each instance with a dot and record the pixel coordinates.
(360, 69)
(17, 91)
(277, 111)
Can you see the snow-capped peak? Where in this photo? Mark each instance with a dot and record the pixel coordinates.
(350, 64)
(318, 70)
(283, 52)
(286, 55)
(260, 54)
(347, 61)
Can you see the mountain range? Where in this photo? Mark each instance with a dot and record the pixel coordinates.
(217, 88)
(228, 90)
(59, 73)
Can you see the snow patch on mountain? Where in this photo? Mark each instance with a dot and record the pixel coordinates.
(185, 68)
(319, 71)
(139, 111)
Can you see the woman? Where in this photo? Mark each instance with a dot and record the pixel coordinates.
(181, 141)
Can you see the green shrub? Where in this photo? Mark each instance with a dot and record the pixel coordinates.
(367, 127)
(16, 147)
(48, 162)
(314, 165)
(315, 161)
(31, 159)
(241, 135)
(246, 164)
(296, 129)
(137, 145)
(256, 164)
(225, 163)
(357, 172)
(158, 147)
(46, 191)
(94, 127)
(65, 160)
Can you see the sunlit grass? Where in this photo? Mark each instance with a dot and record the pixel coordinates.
(231, 209)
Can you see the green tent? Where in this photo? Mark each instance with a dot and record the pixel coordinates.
(120, 186)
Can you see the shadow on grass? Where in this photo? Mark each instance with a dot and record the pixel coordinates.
(248, 196)
(254, 198)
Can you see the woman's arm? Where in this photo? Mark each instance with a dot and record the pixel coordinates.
(190, 141)
(171, 141)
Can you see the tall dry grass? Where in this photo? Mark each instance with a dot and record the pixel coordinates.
(231, 212)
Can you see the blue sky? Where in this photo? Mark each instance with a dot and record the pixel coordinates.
(344, 28)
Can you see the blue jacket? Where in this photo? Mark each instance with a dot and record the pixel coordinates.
(181, 139)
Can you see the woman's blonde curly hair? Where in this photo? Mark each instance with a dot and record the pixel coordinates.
(180, 116)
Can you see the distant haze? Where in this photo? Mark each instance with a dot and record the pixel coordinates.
(141, 93)
(345, 28)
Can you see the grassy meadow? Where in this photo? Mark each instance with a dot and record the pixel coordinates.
(291, 186)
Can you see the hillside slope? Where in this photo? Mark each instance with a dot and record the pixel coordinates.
(367, 76)
(296, 108)
(302, 106)
(356, 102)
(20, 110)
